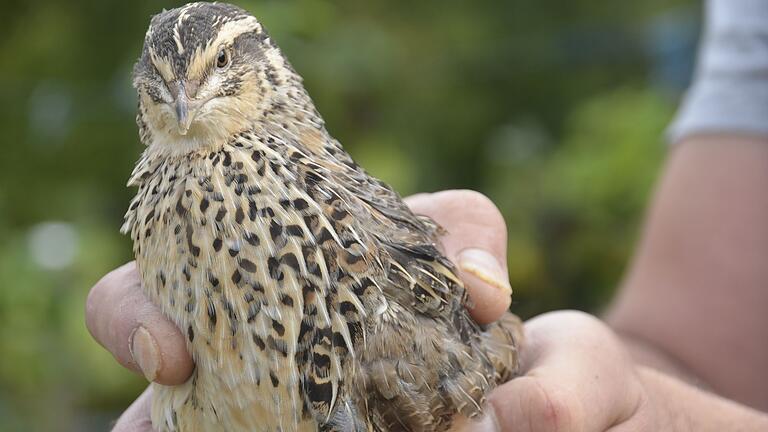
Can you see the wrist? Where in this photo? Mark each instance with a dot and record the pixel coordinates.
(677, 406)
(661, 402)
(645, 353)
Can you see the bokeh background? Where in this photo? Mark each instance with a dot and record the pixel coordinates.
(555, 109)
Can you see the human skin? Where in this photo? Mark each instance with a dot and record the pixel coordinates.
(684, 346)
(696, 292)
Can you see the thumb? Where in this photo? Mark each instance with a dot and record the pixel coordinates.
(577, 377)
(136, 418)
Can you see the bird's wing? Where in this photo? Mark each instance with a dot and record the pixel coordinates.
(408, 243)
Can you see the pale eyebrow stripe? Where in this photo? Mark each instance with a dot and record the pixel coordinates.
(162, 65)
(227, 33)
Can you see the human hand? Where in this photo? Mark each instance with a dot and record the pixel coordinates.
(123, 320)
(576, 376)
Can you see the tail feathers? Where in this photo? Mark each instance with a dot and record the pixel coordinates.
(502, 341)
(423, 390)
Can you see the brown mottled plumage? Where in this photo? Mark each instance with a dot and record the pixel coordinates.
(311, 296)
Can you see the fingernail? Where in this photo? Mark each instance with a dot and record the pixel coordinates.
(145, 352)
(485, 423)
(486, 267)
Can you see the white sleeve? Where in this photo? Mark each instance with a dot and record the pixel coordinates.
(729, 93)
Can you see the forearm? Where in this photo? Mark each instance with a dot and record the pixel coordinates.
(646, 353)
(695, 296)
(682, 407)
(694, 300)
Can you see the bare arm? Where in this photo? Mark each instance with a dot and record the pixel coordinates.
(693, 306)
(695, 301)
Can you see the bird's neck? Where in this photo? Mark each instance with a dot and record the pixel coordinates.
(288, 114)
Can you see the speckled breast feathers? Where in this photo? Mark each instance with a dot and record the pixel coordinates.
(311, 297)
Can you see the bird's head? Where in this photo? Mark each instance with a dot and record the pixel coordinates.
(207, 71)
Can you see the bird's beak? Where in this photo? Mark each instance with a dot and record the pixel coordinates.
(185, 112)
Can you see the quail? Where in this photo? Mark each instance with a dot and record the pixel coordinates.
(311, 297)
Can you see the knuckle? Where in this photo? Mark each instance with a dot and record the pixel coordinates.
(474, 199)
(102, 296)
(477, 204)
(586, 324)
(93, 303)
(549, 410)
(580, 317)
(483, 207)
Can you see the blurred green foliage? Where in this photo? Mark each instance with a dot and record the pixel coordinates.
(551, 108)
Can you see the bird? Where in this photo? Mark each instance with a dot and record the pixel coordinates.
(310, 296)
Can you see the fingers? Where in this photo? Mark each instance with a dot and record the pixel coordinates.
(476, 241)
(137, 417)
(578, 378)
(123, 321)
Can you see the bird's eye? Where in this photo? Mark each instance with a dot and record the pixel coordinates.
(222, 59)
